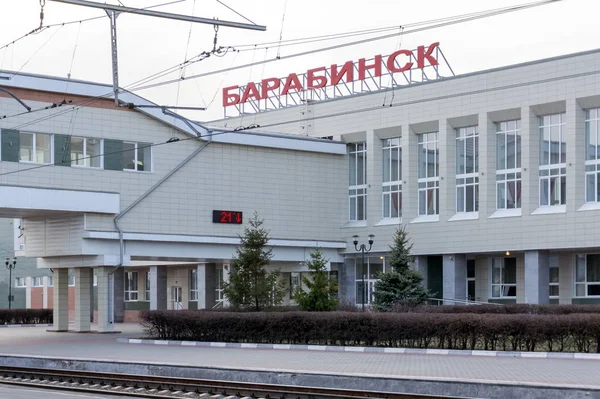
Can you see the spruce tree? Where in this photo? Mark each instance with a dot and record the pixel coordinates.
(401, 285)
(250, 285)
(321, 287)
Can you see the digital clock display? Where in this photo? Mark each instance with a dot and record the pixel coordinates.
(227, 217)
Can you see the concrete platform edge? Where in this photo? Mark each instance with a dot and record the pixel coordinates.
(364, 349)
(24, 325)
(399, 384)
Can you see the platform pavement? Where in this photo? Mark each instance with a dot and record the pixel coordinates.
(506, 371)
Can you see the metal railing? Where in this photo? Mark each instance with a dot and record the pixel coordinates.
(442, 301)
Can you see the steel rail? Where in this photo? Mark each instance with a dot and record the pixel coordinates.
(172, 387)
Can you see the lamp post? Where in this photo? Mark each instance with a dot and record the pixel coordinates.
(363, 248)
(10, 265)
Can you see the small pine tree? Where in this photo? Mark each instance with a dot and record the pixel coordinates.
(321, 289)
(250, 285)
(401, 285)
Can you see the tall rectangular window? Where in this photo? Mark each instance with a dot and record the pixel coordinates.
(147, 293)
(508, 165)
(504, 277)
(553, 160)
(357, 185)
(429, 174)
(587, 275)
(467, 169)
(471, 279)
(592, 155)
(86, 151)
(194, 285)
(392, 178)
(137, 156)
(35, 147)
(131, 286)
(554, 276)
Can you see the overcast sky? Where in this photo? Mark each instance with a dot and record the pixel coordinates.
(148, 45)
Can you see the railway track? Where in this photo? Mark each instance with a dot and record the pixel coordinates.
(169, 387)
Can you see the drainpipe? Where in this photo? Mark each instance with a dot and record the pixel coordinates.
(140, 199)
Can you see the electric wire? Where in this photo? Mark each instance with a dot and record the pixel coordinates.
(109, 94)
(225, 5)
(281, 31)
(36, 52)
(353, 43)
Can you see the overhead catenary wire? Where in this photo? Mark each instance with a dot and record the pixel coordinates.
(363, 41)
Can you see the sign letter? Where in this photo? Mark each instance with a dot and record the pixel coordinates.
(391, 61)
(363, 67)
(422, 55)
(250, 92)
(347, 69)
(266, 87)
(311, 78)
(230, 98)
(292, 83)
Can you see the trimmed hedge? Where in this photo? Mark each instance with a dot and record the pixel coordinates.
(506, 332)
(505, 309)
(26, 316)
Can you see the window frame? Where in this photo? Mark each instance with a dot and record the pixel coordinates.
(20, 282)
(391, 188)
(86, 157)
(193, 284)
(357, 191)
(509, 174)
(37, 281)
(370, 279)
(502, 284)
(136, 145)
(428, 184)
(592, 166)
(131, 292)
(147, 287)
(585, 283)
(465, 179)
(550, 172)
(35, 148)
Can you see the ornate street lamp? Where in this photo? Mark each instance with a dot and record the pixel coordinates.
(363, 248)
(10, 265)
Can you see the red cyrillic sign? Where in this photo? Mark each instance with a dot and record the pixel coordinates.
(317, 78)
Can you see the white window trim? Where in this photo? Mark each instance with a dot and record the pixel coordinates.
(20, 282)
(135, 143)
(353, 151)
(147, 293)
(391, 149)
(128, 292)
(549, 167)
(191, 274)
(461, 140)
(51, 136)
(501, 284)
(86, 155)
(593, 162)
(428, 179)
(585, 283)
(504, 172)
(37, 281)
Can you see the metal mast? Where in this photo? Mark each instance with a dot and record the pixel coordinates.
(113, 12)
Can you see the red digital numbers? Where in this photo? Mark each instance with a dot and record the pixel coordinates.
(227, 217)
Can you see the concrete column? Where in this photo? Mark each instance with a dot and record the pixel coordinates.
(530, 161)
(82, 299)
(482, 282)
(455, 278)
(45, 299)
(566, 285)
(28, 285)
(158, 288)
(537, 277)
(447, 160)
(61, 299)
(118, 278)
(487, 166)
(104, 301)
(374, 177)
(576, 143)
(206, 285)
(410, 174)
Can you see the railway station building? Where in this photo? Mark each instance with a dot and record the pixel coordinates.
(493, 174)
